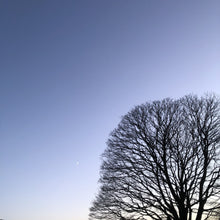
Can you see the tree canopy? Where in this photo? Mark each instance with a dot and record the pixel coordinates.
(162, 162)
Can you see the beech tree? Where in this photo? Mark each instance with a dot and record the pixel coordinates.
(162, 162)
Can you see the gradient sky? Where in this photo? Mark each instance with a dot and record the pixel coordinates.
(69, 70)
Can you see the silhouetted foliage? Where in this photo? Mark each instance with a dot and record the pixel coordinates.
(162, 161)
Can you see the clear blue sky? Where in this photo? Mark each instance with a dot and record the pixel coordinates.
(69, 70)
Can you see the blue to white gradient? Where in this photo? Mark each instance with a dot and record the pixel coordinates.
(69, 70)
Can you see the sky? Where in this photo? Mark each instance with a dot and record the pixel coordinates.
(69, 70)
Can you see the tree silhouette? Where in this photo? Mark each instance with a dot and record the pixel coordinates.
(162, 162)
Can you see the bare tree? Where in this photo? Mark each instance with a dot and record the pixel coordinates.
(162, 162)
